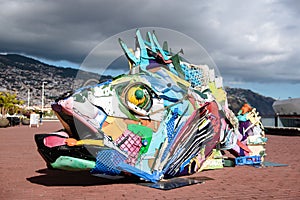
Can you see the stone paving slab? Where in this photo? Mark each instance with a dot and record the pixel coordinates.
(23, 175)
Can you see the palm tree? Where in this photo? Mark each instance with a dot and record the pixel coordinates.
(8, 102)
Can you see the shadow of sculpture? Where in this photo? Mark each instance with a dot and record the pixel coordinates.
(50, 177)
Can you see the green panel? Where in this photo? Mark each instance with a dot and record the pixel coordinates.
(144, 132)
(72, 164)
(176, 62)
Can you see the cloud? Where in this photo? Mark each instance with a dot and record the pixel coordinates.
(252, 41)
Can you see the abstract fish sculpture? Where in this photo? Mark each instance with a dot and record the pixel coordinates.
(161, 120)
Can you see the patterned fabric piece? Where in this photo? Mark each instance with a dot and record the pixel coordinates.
(193, 75)
(107, 162)
(131, 144)
(243, 126)
(170, 125)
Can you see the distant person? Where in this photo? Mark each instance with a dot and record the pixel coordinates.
(19, 114)
(41, 117)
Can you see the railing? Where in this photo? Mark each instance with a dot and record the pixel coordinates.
(282, 121)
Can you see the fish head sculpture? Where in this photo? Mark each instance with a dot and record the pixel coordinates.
(162, 119)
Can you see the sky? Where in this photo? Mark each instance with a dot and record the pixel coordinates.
(254, 44)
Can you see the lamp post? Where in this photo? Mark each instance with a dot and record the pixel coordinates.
(28, 98)
(43, 91)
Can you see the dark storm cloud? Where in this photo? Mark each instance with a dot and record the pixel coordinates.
(249, 41)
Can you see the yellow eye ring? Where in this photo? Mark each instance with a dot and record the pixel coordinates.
(136, 96)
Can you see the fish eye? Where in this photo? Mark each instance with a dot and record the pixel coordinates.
(138, 98)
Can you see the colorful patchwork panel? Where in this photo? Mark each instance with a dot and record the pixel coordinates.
(131, 144)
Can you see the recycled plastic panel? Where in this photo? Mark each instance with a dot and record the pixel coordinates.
(172, 183)
(163, 119)
(273, 164)
(72, 164)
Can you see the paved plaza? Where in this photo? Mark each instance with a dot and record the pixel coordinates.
(23, 175)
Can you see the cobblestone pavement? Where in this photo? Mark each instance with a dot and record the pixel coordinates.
(23, 175)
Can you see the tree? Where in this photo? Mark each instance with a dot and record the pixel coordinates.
(9, 102)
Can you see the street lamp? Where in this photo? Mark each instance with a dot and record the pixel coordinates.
(28, 98)
(43, 91)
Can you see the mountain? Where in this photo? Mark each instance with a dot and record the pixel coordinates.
(237, 97)
(22, 74)
(26, 63)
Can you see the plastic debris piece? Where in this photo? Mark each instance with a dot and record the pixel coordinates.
(131, 144)
(228, 162)
(144, 132)
(273, 164)
(72, 164)
(53, 141)
(172, 183)
(214, 161)
(107, 162)
(248, 160)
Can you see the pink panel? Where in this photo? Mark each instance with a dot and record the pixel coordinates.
(53, 141)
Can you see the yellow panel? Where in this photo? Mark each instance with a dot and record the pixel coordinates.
(112, 130)
(218, 93)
